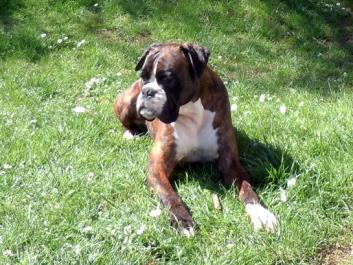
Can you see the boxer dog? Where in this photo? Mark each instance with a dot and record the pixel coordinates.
(186, 109)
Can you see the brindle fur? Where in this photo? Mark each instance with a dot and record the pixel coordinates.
(161, 162)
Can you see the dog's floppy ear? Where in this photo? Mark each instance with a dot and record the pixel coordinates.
(144, 55)
(197, 57)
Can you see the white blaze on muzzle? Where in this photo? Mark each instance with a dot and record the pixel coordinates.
(152, 97)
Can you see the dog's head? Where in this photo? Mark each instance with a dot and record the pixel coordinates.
(170, 76)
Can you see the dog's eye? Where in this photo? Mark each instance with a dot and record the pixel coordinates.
(165, 76)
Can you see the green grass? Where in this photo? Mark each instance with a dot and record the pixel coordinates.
(72, 191)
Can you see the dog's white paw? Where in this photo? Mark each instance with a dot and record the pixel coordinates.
(261, 217)
(188, 232)
(128, 135)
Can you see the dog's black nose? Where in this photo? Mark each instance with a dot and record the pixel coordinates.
(148, 92)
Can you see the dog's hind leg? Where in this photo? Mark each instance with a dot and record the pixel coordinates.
(125, 111)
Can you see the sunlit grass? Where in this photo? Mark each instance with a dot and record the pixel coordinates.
(72, 191)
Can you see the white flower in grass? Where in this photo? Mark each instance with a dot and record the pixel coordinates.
(65, 38)
(127, 230)
(80, 43)
(34, 121)
(43, 35)
(233, 107)
(8, 253)
(155, 212)
(141, 230)
(92, 257)
(87, 229)
(338, 4)
(59, 41)
(79, 109)
(2, 172)
(93, 82)
(291, 182)
(7, 166)
(283, 195)
(77, 250)
(113, 232)
(262, 98)
(95, 5)
(282, 109)
(301, 104)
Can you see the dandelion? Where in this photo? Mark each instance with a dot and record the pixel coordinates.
(233, 107)
(155, 212)
(282, 109)
(262, 98)
(141, 230)
(79, 109)
(43, 35)
(80, 43)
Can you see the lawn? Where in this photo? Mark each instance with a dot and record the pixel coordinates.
(72, 190)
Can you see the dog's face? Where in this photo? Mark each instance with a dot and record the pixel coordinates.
(170, 76)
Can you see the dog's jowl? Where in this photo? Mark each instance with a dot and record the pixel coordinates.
(186, 109)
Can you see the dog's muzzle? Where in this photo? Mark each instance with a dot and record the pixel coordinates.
(150, 102)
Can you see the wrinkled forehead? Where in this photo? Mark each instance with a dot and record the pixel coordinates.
(164, 58)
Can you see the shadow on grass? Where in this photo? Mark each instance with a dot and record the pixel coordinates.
(267, 166)
(17, 39)
(318, 33)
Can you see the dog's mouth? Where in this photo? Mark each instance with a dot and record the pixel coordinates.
(147, 114)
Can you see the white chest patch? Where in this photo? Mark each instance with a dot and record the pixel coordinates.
(196, 139)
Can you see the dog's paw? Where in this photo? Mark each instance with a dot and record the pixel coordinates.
(182, 220)
(261, 217)
(188, 231)
(129, 135)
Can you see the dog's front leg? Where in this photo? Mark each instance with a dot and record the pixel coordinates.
(232, 172)
(160, 167)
